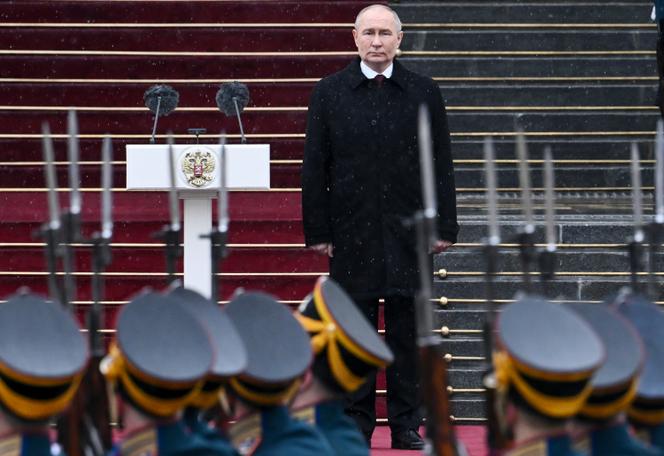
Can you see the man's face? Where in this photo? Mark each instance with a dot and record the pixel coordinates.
(376, 38)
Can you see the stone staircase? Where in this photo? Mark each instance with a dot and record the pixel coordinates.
(579, 77)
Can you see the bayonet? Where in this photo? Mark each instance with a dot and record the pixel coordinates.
(433, 372)
(526, 236)
(72, 153)
(655, 229)
(171, 232)
(51, 230)
(496, 430)
(638, 238)
(547, 257)
(219, 235)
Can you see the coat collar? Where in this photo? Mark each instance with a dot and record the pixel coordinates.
(355, 77)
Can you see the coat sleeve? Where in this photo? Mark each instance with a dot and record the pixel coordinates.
(315, 173)
(448, 228)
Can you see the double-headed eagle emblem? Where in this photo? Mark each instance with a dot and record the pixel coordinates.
(198, 168)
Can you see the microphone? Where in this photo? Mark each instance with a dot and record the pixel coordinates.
(161, 100)
(232, 98)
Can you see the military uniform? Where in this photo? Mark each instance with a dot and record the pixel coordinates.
(279, 355)
(230, 359)
(646, 412)
(613, 385)
(43, 356)
(157, 363)
(545, 357)
(549, 446)
(347, 351)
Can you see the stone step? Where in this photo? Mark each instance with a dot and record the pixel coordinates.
(564, 147)
(578, 94)
(596, 175)
(173, 38)
(573, 148)
(525, 12)
(229, 39)
(467, 408)
(251, 11)
(292, 94)
(186, 66)
(505, 39)
(595, 67)
(577, 288)
(606, 229)
(294, 122)
(302, 66)
(566, 260)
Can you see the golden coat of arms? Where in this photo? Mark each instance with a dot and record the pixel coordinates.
(198, 167)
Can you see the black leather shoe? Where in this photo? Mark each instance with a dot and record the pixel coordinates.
(407, 440)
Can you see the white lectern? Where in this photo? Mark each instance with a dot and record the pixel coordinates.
(197, 182)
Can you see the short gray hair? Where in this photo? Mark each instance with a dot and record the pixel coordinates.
(397, 21)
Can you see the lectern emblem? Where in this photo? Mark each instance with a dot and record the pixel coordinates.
(198, 168)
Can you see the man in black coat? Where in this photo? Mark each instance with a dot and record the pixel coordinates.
(360, 182)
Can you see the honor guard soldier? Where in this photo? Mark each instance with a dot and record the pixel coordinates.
(614, 386)
(647, 410)
(230, 358)
(42, 360)
(347, 351)
(546, 356)
(157, 364)
(279, 356)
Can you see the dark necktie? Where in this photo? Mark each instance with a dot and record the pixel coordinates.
(378, 80)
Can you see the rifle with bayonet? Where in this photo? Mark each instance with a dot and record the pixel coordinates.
(219, 235)
(77, 433)
(498, 437)
(433, 372)
(547, 257)
(68, 423)
(50, 231)
(97, 407)
(170, 233)
(656, 228)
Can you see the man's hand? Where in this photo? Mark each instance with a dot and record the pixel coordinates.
(440, 246)
(323, 249)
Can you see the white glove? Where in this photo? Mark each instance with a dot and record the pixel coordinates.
(653, 15)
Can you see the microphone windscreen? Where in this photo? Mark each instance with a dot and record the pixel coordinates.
(169, 99)
(228, 91)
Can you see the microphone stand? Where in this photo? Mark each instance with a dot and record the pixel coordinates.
(156, 119)
(243, 140)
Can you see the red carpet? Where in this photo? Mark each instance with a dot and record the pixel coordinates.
(473, 437)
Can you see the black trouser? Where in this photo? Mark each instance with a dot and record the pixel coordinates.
(403, 399)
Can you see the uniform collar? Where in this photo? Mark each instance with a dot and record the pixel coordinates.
(356, 78)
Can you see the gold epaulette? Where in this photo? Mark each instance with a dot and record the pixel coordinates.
(306, 414)
(10, 445)
(246, 434)
(143, 443)
(582, 445)
(538, 448)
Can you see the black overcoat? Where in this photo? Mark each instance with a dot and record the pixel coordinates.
(361, 177)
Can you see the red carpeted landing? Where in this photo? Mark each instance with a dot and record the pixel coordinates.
(473, 438)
